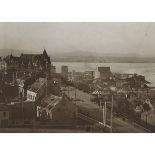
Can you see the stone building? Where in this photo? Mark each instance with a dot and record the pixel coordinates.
(28, 61)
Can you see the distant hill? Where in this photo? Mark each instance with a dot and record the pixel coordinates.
(85, 56)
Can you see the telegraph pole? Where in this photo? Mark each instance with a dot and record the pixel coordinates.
(22, 107)
(105, 106)
(112, 104)
(103, 115)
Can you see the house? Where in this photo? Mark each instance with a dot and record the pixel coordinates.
(37, 90)
(25, 80)
(4, 116)
(57, 109)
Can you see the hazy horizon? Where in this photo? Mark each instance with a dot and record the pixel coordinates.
(131, 39)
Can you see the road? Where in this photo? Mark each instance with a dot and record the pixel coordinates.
(83, 102)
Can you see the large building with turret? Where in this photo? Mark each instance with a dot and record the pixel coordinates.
(28, 61)
(24, 70)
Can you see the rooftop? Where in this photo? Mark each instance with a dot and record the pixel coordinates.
(51, 101)
(37, 84)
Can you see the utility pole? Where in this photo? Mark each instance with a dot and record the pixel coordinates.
(105, 106)
(112, 104)
(103, 115)
(103, 110)
(22, 107)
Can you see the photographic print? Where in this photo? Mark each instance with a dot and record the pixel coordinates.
(77, 77)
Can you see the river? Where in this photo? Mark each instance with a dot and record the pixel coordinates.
(146, 69)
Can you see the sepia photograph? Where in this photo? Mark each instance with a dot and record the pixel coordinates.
(77, 77)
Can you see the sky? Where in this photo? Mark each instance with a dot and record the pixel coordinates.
(113, 38)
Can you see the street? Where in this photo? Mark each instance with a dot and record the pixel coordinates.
(83, 101)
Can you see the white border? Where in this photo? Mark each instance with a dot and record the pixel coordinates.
(77, 144)
(77, 11)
